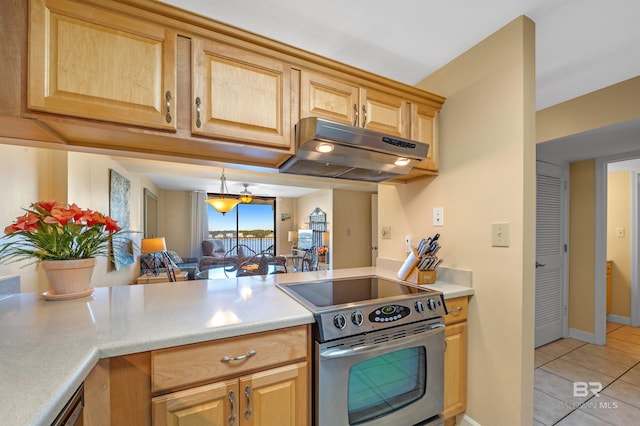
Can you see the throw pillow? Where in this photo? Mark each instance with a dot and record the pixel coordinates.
(175, 257)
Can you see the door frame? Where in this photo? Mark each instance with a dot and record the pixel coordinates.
(600, 273)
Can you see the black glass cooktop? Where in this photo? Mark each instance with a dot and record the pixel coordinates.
(323, 294)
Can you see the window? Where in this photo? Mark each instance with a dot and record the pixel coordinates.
(251, 224)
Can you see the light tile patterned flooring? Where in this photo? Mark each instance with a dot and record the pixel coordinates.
(560, 364)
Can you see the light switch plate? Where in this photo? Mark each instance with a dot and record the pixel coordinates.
(386, 232)
(500, 234)
(620, 232)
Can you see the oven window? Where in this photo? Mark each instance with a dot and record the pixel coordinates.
(381, 385)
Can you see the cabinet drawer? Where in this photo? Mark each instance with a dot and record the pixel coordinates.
(202, 362)
(458, 310)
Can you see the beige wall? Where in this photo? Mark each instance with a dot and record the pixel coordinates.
(174, 213)
(581, 245)
(614, 104)
(32, 174)
(487, 174)
(351, 236)
(619, 247)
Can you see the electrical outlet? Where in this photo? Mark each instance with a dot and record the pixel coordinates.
(438, 216)
(407, 243)
(500, 234)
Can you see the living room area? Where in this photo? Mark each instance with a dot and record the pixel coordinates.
(84, 178)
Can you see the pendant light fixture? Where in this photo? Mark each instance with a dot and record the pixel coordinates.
(222, 204)
(246, 196)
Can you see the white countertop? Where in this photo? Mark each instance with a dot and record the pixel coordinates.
(47, 348)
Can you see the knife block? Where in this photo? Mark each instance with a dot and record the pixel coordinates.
(421, 277)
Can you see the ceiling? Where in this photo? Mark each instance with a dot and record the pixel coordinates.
(581, 46)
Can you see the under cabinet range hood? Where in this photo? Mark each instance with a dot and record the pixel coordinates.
(328, 149)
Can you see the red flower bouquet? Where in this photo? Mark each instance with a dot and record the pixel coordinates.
(54, 231)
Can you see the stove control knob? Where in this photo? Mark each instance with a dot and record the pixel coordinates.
(357, 318)
(432, 304)
(340, 321)
(419, 307)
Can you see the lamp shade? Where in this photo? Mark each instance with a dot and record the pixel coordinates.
(223, 205)
(292, 236)
(153, 245)
(325, 238)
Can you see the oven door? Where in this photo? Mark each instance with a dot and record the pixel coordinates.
(387, 377)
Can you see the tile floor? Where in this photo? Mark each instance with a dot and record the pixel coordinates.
(561, 365)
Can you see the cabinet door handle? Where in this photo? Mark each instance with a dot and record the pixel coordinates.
(355, 118)
(198, 103)
(247, 393)
(364, 115)
(232, 416)
(249, 354)
(455, 311)
(167, 97)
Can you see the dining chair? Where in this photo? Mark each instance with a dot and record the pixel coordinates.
(310, 259)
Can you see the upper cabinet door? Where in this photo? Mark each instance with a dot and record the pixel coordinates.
(240, 95)
(424, 128)
(383, 112)
(91, 63)
(322, 96)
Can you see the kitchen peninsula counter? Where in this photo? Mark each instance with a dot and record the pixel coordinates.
(49, 347)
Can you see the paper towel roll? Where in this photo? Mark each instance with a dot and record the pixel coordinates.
(407, 266)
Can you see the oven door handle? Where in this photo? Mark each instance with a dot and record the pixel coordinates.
(359, 350)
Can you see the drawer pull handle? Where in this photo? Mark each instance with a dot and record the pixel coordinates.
(232, 417)
(364, 113)
(355, 118)
(456, 311)
(249, 354)
(198, 121)
(168, 99)
(247, 392)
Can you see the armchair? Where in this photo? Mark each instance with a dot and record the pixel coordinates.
(213, 255)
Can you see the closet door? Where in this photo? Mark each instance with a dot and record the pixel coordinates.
(550, 254)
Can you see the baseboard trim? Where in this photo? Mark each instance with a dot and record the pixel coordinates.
(618, 319)
(465, 420)
(582, 335)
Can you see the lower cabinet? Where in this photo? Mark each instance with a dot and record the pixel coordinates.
(260, 379)
(455, 359)
(274, 397)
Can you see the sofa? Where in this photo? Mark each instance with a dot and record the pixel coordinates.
(187, 264)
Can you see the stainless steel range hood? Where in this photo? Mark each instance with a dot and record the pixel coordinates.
(328, 149)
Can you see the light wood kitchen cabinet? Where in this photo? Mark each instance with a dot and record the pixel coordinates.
(328, 97)
(240, 95)
(92, 63)
(124, 75)
(273, 397)
(424, 122)
(358, 105)
(455, 359)
(269, 378)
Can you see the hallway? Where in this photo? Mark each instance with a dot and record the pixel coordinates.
(569, 372)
